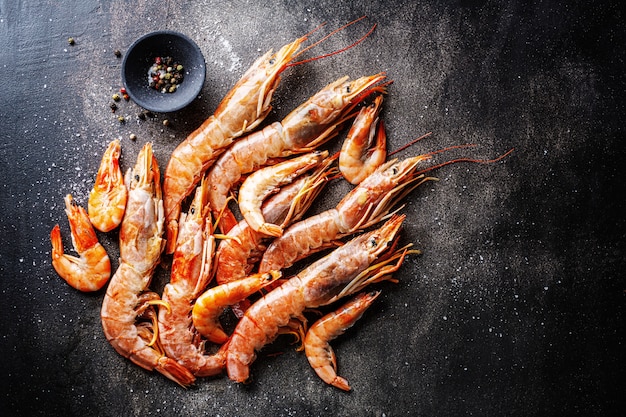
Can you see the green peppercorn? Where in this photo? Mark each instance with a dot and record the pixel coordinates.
(121, 119)
(71, 41)
(116, 97)
(179, 68)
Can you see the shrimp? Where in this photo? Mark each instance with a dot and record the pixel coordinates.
(365, 205)
(358, 158)
(316, 347)
(346, 270)
(127, 298)
(243, 108)
(266, 181)
(236, 255)
(92, 269)
(107, 199)
(311, 124)
(213, 302)
(190, 274)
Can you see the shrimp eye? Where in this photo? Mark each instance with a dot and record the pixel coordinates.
(394, 170)
(272, 61)
(348, 89)
(372, 243)
(193, 210)
(137, 177)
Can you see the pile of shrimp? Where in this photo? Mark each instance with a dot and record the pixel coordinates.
(239, 252)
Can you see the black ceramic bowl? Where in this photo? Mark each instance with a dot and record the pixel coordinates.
(140, 57)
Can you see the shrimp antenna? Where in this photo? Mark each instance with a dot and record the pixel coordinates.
(358, 41)
(454, 161)
(411, 143)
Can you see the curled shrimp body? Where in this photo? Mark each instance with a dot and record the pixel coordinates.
(259, 185)
(308, 126)
(92, 268)
(213, 302)
(344, 271)
(244, 247)
(243, 108)
(317, 348)
(127, 299)
(360, 155)
(367, 204)
(190, 274)
(107, 199)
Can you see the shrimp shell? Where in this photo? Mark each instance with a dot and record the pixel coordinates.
(259, 185)
(317, 348)
(358, 158)
(213, 302)
(92, 269)
(107, 199)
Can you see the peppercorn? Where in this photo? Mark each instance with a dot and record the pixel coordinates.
(166, 122)
(121, 119)
(116, 97)
(142, 116)
(113, 107)
(71, 41)
(117, 53)
(133, 136)
(165, 73)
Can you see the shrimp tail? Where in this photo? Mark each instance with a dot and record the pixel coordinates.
(174, 371)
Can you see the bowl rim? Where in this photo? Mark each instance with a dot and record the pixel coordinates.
(172, 33)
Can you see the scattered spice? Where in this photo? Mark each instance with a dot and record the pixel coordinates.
(121, 119)
(133, 136)
(165, 75)
(113, 107)
(142, 116)
(116, 97)
(117, 53)
(71, 41)
(166, 122)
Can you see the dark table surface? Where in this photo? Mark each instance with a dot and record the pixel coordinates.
(515, 307)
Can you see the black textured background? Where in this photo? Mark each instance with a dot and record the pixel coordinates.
(516, 306)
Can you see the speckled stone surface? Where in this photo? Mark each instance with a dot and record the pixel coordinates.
(515, 307)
